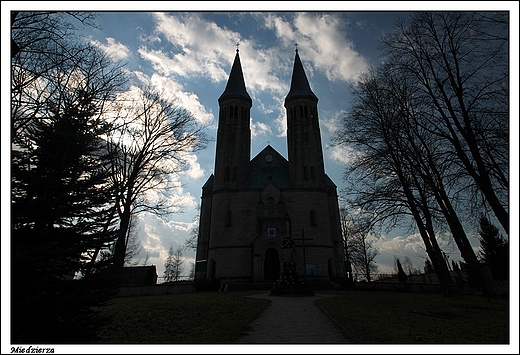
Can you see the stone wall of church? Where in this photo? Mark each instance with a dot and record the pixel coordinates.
(241, 220)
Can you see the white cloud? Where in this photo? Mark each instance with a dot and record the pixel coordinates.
(175, 92)
(324, 42)
(259, 129)
(113, 49)
(202, 48)
(188, 100)
(342, 154)
(157, 235)
(194, 171)
(332, 122)
(412, 246)
(400, 247)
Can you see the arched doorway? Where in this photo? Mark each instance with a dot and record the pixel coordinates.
(271, 264)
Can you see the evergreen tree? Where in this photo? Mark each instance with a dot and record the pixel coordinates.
(59, 213)
(428, 267)
(494, 249)
(60, 189)
(401, 276)
(169, 270)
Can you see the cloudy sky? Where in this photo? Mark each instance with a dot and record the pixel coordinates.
(189, 54)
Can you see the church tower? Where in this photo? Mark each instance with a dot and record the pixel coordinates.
(303, 131)
(249, 206)
(233, 134)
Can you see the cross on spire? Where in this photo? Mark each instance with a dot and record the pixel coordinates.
(296, 45)
(237, 44)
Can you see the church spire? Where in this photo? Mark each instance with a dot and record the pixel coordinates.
(303, 131)
(236, 87)
(299, 84)
(233, 151)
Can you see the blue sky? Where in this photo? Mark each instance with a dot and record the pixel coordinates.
(189, 54)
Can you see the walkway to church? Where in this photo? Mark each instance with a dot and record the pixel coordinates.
(293, 320)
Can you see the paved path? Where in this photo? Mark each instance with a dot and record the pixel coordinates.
(293, 320)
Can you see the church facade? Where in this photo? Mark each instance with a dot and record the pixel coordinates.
(249, 206)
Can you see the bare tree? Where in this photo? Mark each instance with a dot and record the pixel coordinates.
(459, 80)
(359, 240)
(178, 264)
(134, 245)
(173, 267)
(148, 148)
(347, 234)
(45, 32)
(459, 61)
(48, 47)
(192, 271)
(191, 242)
(383, 178)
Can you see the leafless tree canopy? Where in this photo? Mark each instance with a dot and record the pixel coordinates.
(430, 129)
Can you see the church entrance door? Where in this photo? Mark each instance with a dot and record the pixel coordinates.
(271, 264)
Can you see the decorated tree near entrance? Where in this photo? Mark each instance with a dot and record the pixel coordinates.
(290, 282)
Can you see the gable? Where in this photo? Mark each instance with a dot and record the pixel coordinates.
(269, 166)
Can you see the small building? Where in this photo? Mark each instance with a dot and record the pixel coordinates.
(144, 275)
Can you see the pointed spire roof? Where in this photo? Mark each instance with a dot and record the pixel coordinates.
(299, 84)
(236, 86)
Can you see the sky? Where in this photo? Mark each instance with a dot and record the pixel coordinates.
(189, 54)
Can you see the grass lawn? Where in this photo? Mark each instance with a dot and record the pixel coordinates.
(190, 318)
(367, 317)
(408, 318)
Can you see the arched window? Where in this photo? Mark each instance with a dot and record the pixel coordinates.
(280, 210)
(260, 211)
(305, 176)
(313, 176)
(228, 219)
(270, 207)
(226, 173)
(313, 218)
(301, 111)
(234, 177)
(236, 111)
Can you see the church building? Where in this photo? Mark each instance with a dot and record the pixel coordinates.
(250, 205)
